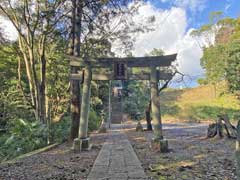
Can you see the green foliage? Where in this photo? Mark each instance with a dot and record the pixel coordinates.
(94, 121)
(13, 105)
(136, 100)
(22, 137)
(170, 109)
(59, 131)
(156, 52)
(198, 104)
(226, 22)
(214, 62)
(222, 60)
(137, 93)
(215, 16)
(236, 34)
(25, 91)
(233, 67)
(99, 96)
(197, 113)
(97, 48)
(57, 79)
(8, 63)
(202, 81)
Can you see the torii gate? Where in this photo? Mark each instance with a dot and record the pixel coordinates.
(120, 67)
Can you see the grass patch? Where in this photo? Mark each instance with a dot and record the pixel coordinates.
(197, 104)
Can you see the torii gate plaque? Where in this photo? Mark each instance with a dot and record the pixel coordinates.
(120, 67)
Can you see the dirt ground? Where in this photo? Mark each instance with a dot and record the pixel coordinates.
(59, 163)
(191, 156)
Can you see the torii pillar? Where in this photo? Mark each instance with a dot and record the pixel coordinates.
(82, 142)
(120, 65)
(158, 143)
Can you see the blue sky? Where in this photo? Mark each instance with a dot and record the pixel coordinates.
(175, 19)
(198, 17)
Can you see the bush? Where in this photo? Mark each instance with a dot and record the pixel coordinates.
(60, 130)
(94, 121)
(21, 138)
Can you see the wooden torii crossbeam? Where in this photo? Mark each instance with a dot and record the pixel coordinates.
(119, 70)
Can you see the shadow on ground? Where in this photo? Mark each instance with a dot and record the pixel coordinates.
(192, 156)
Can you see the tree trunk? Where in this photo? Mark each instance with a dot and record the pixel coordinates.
(75, 84)
(29, 75)
(42, 86)
(230, 127)
(220, 129)
(148, 117)
(33, 41)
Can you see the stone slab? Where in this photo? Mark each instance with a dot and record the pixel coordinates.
(117, 160)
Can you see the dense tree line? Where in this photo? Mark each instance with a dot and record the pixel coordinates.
(34, 86)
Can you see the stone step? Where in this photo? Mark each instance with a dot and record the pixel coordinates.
(117, 118)
(117, 111)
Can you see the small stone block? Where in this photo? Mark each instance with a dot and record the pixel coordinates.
(139, 127)
(85, 144)
(76, 145)
(160, 145)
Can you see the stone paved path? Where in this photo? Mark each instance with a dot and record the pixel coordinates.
(117, 160)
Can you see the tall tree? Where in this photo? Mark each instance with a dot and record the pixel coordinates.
(215, 52)
(36, 23)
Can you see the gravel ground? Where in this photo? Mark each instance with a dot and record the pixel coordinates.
(191, 156)
(59, 163)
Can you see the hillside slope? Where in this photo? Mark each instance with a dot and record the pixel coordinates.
(196, 104)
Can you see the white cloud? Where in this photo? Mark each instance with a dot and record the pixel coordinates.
(171, 35)
(189, 54)
(227, 6)
(8, 29)
(193, 5)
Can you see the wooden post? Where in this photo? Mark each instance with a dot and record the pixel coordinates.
(83, 129)
(237, 153)
(148, 116)
(109, 103)
(158, 143)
